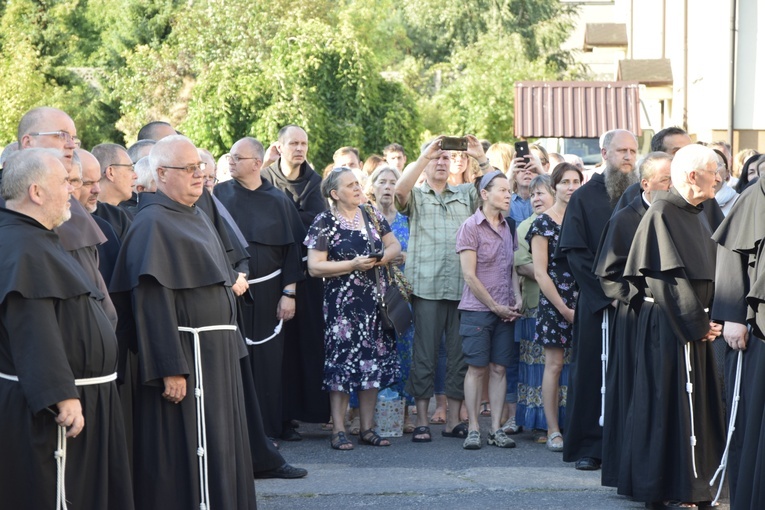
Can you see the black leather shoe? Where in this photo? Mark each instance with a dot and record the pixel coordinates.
(587, 464)
(286, 471)
(290, 434)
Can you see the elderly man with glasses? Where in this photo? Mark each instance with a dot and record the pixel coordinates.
(52, 128)
(272, 228)
(190, 409)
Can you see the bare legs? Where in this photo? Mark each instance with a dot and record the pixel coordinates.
(338, 401)
(474, 382)
(550, 388)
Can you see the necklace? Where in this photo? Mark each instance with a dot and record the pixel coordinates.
(555, 215)
(354, 222)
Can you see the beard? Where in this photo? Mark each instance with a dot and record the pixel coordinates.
(617, 182)
(65, 216)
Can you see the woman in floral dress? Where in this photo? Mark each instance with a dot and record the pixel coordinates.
(359, 354)
(555, 316)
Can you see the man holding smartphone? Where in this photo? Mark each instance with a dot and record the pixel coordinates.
(436, 210)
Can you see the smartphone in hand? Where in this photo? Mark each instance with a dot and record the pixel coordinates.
(454, 143)
(522, 150)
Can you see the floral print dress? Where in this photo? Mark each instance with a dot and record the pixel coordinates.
(552, 330)
(359, 355)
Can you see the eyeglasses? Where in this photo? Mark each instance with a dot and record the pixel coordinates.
(75, 183)
(211, 178)
(189, 169)
(61, 135)
(131, 165)
(233, 158)
(718, 171)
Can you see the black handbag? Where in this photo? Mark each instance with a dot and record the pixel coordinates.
(395, 313)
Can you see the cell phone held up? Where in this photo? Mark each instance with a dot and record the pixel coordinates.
(454, 143)
(522, 150)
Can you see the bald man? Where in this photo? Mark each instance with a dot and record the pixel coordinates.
(189, 393)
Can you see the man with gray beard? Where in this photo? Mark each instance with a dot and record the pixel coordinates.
(588, 212)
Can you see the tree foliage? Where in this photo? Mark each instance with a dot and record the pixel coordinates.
(353, 72)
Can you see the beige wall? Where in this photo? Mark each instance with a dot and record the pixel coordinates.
(699, 97)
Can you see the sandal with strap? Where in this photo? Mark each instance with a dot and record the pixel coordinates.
(555, 446)
(372, 438)
(500, 439)
(341, 442)
(472, 441)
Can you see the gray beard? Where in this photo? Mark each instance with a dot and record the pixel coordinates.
(617, 182)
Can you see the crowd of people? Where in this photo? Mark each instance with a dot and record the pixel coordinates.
(166, 319)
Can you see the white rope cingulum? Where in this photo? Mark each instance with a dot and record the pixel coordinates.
(689, 390)
(199, 395)
(721, 470)
(603, 365)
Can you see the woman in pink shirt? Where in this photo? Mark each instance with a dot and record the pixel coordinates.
(489, 304)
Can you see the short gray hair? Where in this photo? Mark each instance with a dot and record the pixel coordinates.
(106, 154)
(77, 164)
(649, 164)
(135, 149)
(544, 181)
(332, 181)
(7, 151)
(144, 173)
(161, 153)
(689, 158)
(256, 145)
(24, 168)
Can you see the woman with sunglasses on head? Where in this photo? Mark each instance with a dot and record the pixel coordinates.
(359, 354)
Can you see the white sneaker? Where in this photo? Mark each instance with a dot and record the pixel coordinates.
(510, 427)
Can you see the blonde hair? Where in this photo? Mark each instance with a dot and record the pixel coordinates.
(501, 156)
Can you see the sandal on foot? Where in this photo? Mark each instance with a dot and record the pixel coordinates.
(555, 446)
(472, 441)
(539, 436)
(510, 427)
(341, 442)
(500, 439)
(372, 438)
(485, 409)
(421, 431)
(408, 428)
(460, 431)
(355, 426)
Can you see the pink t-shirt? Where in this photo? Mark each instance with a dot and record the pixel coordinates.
(494, 260)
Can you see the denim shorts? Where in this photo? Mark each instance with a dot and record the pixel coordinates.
(486, 339)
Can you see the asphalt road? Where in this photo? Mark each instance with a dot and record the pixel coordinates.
(432, 475)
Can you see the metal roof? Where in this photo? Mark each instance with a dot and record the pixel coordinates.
(575, 109)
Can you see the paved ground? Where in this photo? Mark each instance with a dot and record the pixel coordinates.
(434, 475)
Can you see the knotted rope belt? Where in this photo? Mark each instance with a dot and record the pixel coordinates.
(60, 453)
(689, 390)
(278, 327)
(204, 485)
